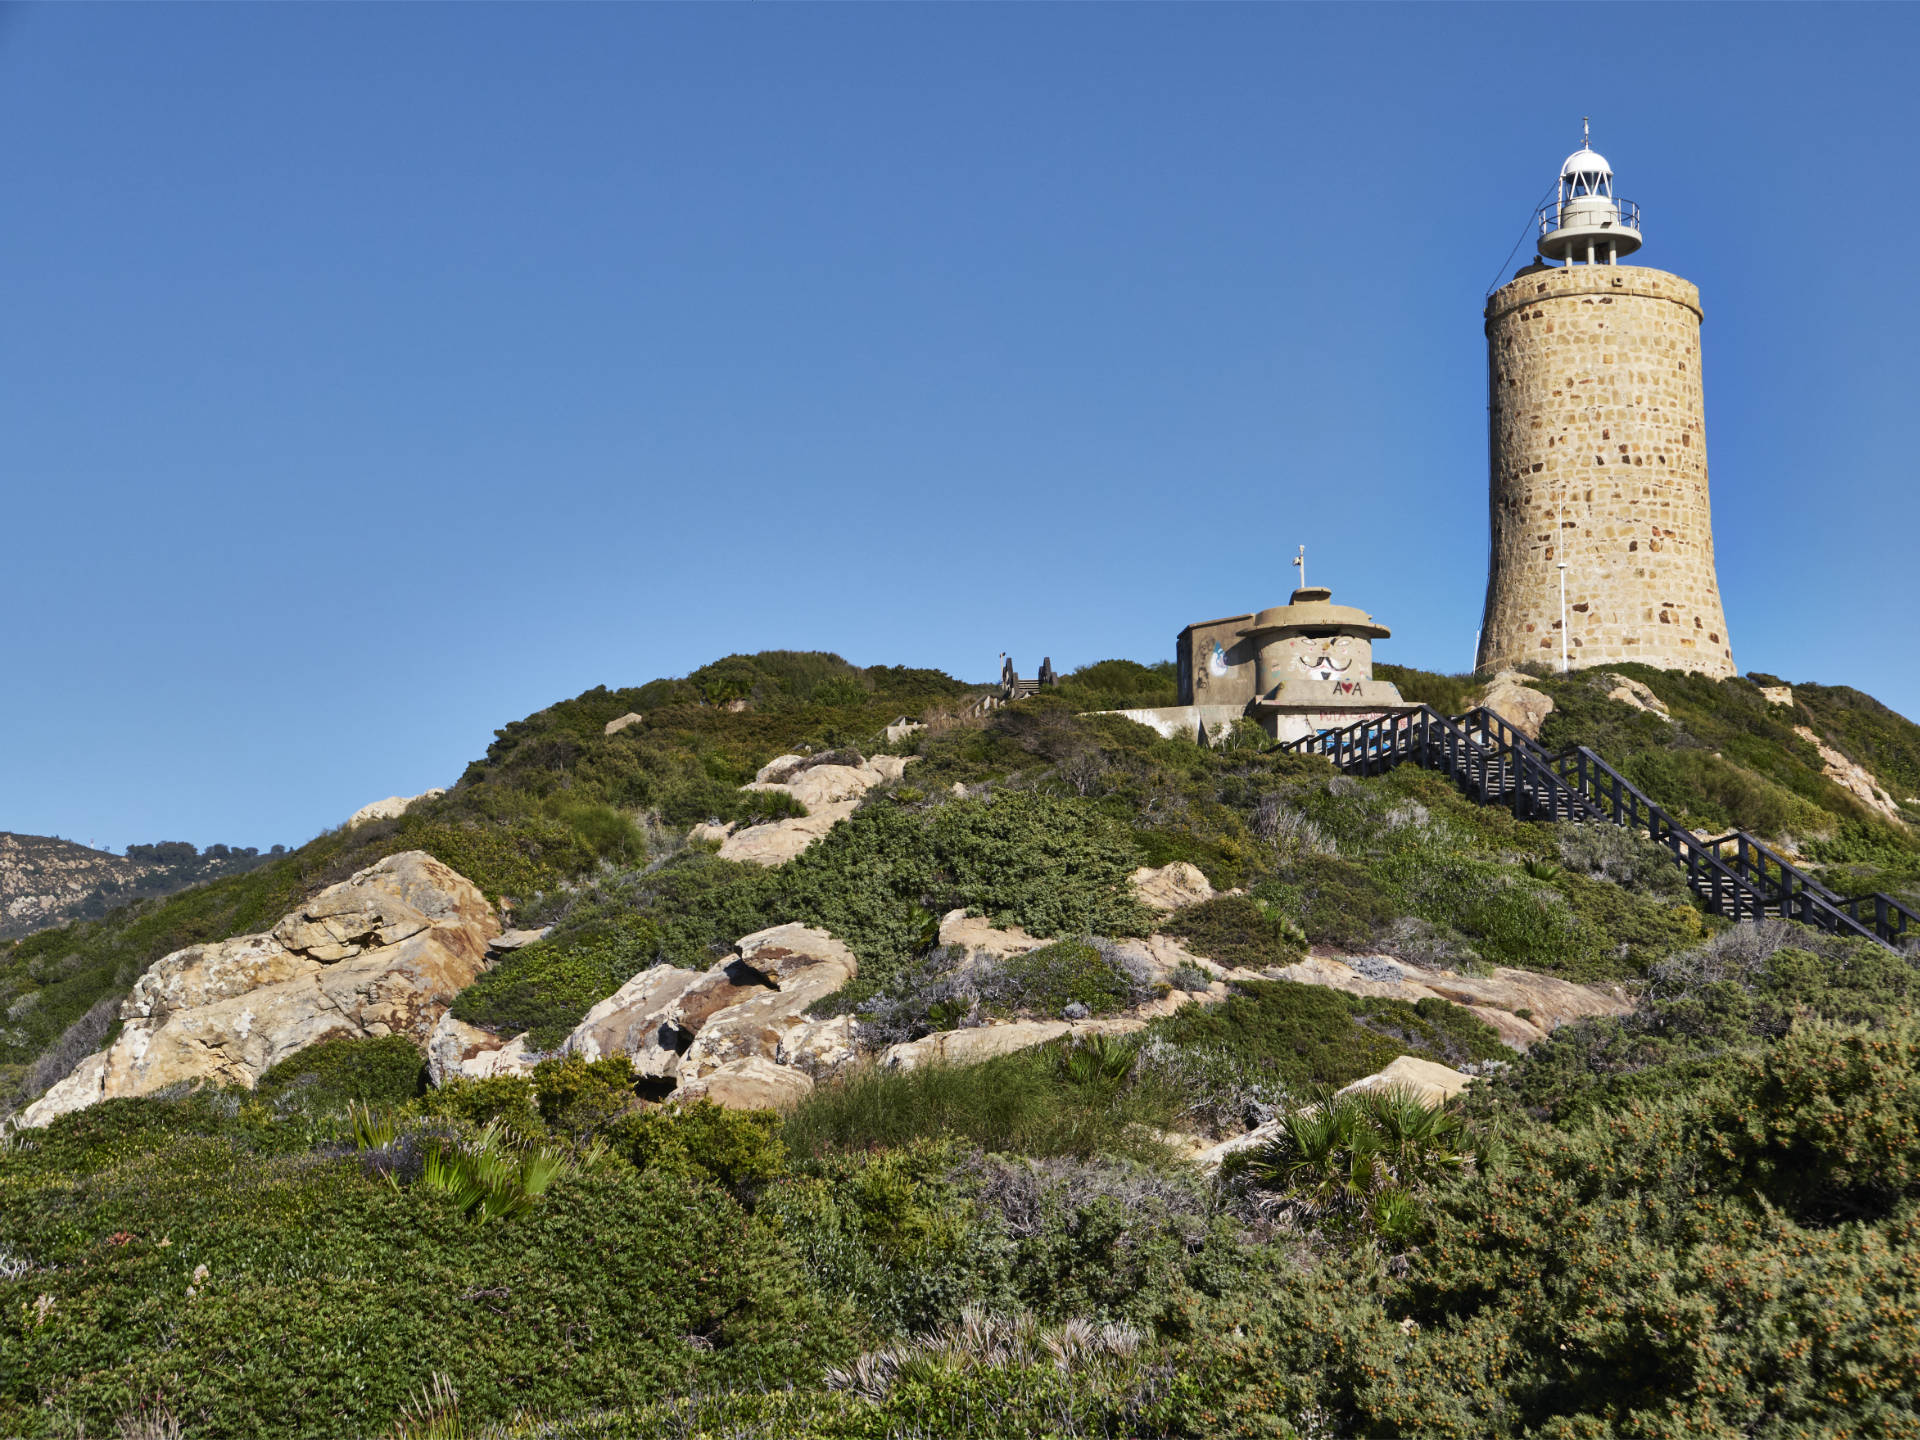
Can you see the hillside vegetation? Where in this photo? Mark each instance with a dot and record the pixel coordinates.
(45, 880)
(1696, 1219)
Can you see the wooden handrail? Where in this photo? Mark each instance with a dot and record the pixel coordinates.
(1496, 763)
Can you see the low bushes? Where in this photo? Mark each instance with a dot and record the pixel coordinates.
(298, 1297)
(1022, 1103)
(544, 988)
(328, 1077)
(1241, 930)
(1361, 1163)
(1301, 1036)
(1069, 974)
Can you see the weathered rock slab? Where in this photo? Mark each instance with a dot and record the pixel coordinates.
(986, 1042)
(391, 808)
(1856, 780)
(752, 1082)
(1433, 1083)
(778, 841)
(459, 1051)
(688, 1025)
(1171, 887)
(1548, 1000)
(382, 953)
(981, 939)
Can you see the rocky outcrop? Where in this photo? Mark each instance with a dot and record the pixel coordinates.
(971, 1045)
(981, 939)
(737, 1034)
(1510, 697)
(1433, 1083)
(391, 808)
(778, 841)
(457, 1050)
(382, 953)
(614, 727)
(1171, 887)
(1636, 693)
(1856, 780)
(750, 1083)
(831, 792)
(1158, 960)
(1521, 1004)
(639, 1021)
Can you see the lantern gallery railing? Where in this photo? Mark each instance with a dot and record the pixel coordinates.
(1549, 216)
(1734, 875)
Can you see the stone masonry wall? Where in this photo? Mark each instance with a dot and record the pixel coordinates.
(1599, 458)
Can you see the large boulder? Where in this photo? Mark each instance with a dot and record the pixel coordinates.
(782, 972)
(382, 953)
(1510, 697)
(639, 1021)
(739, 1021)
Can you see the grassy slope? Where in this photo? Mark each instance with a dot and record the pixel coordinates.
(728, 1260)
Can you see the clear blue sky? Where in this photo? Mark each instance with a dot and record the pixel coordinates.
(371, 376)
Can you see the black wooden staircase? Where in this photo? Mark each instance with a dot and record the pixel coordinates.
(1734, 874)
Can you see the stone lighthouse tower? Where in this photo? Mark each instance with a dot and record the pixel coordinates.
(1598, 451)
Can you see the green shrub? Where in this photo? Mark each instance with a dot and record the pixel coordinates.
(1067, 972)
(298, 1297)
(1120, 685)
(1334, 901)
(1829, 1126)
(492, 1175)
(509, 1099)
(1448, 694)
(1222, 860)
(1301, 1036)
(582, 1098)
(1239, 930)
(1361, 1162)
(1019, 1104)
(733, 1148)
(760, 807)
(1052, 865)
(546, 987)
(326, 1078)
(1742, 987)
(515, 857)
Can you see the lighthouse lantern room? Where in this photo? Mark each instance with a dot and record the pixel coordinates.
(1586, 224)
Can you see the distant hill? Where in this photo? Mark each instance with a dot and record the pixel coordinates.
(48, 881)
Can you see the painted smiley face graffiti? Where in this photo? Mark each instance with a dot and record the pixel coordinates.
(1323, 658)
